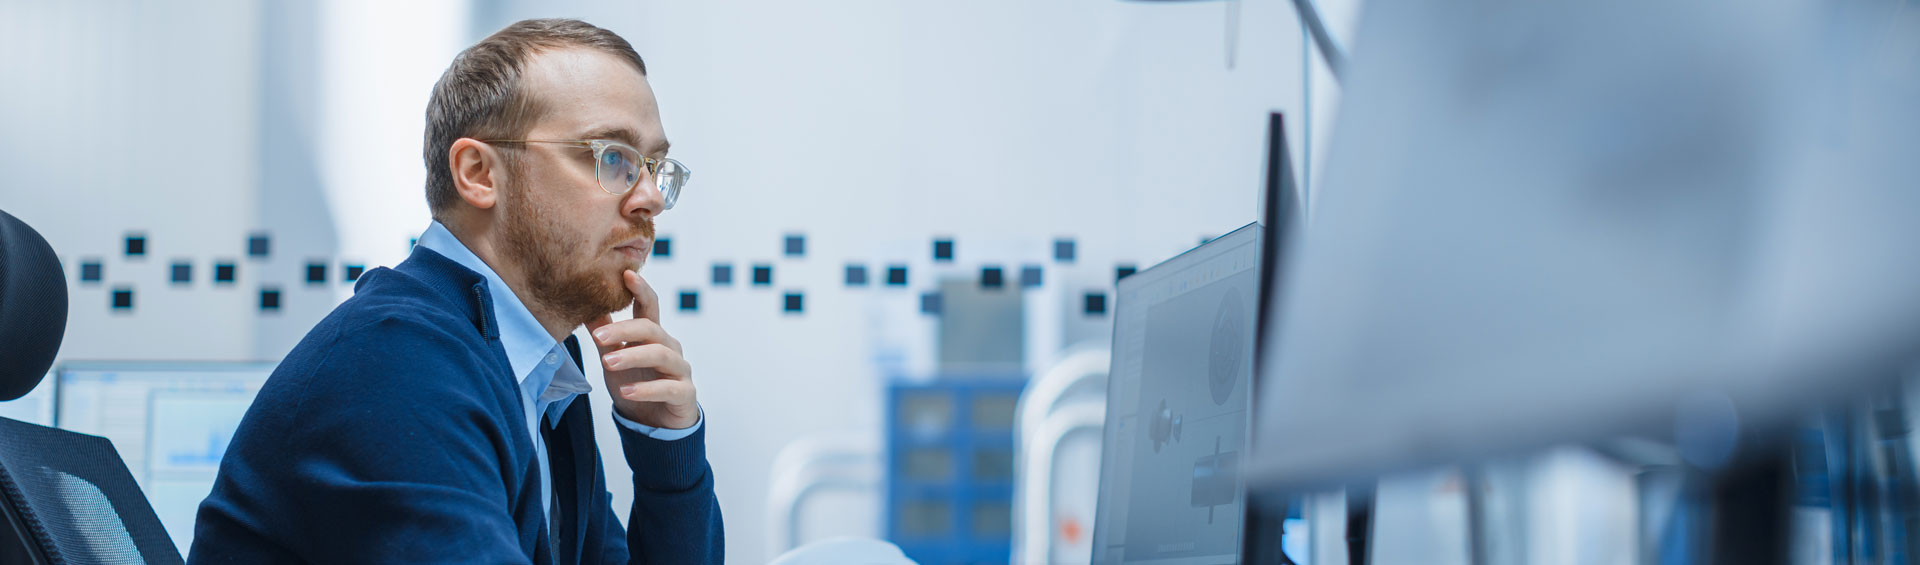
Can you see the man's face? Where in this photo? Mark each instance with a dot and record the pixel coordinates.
(569, 237)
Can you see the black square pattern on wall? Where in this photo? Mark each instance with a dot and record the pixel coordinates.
(1096, 304)
(795, 245)
(992, 277)
(1030, 276)
(257, 246)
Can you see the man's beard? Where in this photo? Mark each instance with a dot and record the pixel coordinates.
(571, 291)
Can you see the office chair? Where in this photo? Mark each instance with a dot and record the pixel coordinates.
(64, 497)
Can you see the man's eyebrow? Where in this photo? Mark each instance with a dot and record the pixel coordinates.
(626, 136)
(615, 133)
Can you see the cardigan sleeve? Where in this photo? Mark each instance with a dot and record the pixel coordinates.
(675, 516)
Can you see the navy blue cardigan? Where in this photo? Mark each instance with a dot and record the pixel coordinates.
(394, 433)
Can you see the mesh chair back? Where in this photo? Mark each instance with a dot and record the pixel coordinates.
(33, 307)
(77, 498)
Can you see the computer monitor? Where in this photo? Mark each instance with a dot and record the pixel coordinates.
(1282, 214)
(1179, 407)
(170, 422)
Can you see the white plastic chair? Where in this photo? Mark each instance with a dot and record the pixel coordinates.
(1042, 420)
(813, 465)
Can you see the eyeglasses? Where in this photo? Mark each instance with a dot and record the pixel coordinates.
(618, 167)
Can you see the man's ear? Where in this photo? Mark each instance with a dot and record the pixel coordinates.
(478, 172)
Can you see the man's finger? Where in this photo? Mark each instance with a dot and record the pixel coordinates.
(654, 356)
(646, 304)
(593, 328)
(634, 331)
(678, 393)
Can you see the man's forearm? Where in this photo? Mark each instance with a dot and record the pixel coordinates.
(675, 516)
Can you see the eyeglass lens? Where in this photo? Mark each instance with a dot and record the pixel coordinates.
(670, 177)
(620, 168)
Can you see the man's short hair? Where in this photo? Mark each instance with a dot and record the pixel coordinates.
(480, 94)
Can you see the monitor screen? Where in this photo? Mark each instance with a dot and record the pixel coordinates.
(1179, 400)
(170, 422)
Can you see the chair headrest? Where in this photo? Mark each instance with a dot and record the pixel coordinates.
(33, 307)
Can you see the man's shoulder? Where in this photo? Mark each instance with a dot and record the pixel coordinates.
(389, 301)
(394, 323)
(390, 308)
(392, 349)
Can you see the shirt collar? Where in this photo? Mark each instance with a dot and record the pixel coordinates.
(526, 342)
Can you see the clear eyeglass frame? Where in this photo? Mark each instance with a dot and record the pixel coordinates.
(617, 166)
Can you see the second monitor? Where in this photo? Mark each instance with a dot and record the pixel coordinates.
(1179, 407)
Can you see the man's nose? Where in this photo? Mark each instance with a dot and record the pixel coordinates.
(644, 200)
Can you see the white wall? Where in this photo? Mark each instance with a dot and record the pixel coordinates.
(129, 116)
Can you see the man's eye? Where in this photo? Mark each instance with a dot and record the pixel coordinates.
(613, 158)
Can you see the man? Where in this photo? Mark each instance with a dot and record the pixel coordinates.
(436, 415)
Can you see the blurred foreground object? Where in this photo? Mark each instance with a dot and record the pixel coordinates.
(1563, 222)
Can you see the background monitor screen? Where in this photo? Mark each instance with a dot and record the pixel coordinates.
(34, 408)
(170, 422)
(1179, 401)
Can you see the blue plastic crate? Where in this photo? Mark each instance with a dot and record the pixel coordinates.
(949, 468)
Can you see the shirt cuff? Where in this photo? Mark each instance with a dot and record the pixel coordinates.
(662, 434)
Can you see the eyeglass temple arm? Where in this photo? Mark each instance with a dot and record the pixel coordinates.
(561, 142)
(652, 164)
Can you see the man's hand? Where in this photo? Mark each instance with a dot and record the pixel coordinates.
(650, 380)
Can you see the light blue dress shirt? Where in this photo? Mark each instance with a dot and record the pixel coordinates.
(549, 381)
